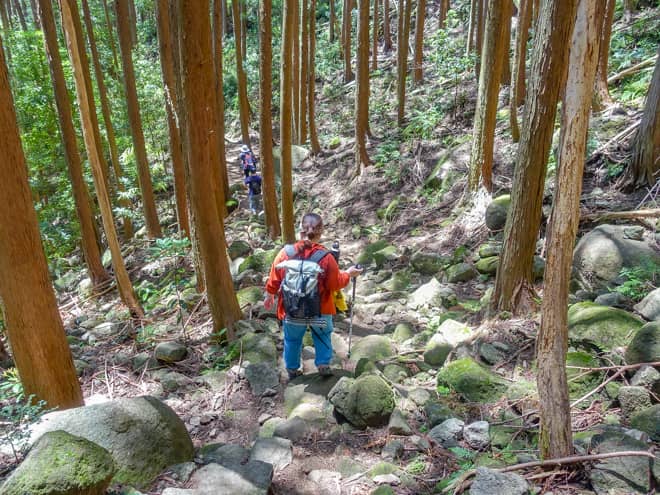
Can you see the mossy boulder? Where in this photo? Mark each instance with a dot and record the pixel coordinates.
(249, 295)
(488, 266)
(490, 249)
(366, 257)
(496, 212)
(580, 382)
(648, 421)
(402, 332)
(428, 263)
(602, 326)
(372, 347)
(645, 344)
(385, 255)
(238, 248)
(399, 281)
(365, 401)
(436, 350)
(62, 464)
(460, 272)
(472, 381)
(258, 348)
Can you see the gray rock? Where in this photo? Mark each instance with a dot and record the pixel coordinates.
(602, 326)
(648, 421)
(477, 435)
(392, 450)
(261, 376)
(62, 464)
(402, 332)
(613, 299)
(105, 329)
(295, 429)
(448, 433)
(454, 332)
(398, 424)
(276, 451)
(182, 472)
(601, 254)
(327, 482)
(490, 249)
(649, 307)
(633, 399)
(427, 263)
(252, 478)
(395, 373)
(492, 354)
(173, 381)
(436, 350)
(223, 453)
(143, 435)
(645, 344)
(373, 347)
(170, 352)
(365, 401)
(436, 413)
(647, 376)
(619, 475)
(387, 479)
(461, 272)
(433, 295)
(496, 212)
(491, 482)
(259, 348)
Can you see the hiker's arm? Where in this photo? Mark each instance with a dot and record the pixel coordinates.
(274, 280)
(335, 279)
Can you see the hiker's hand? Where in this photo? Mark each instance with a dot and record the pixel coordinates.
(354, 271)
(269, 302)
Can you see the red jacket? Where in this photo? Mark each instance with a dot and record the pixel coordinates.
(331, 280)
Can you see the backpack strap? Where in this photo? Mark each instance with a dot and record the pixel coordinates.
(318, 255)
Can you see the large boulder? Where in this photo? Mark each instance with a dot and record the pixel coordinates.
(491, 482)
(496, 212)
(62, 464)
(649, 307)
(251, 478)
(143, 435)
(471, 380)
(258, 348)
(648, 421)
(460, 272)
(372, 347)
(602, 326)
(432, 294)
(645, 344)
(238, 248)
(602, 253)
(428, 263)
(365, 401)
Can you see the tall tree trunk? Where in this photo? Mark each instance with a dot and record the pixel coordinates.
(21, 15)
(331, 33)
(419, 41)
(133, 107)
(304, 68)
(506, 55)
(480, 28)
(442, 13)
(362, 88)
(518, 76)
(132, 22)
(552, 343)
(387, 36)
(111, 37)
(601, 94)
(405, 8)
(472, 26)
(286, 93)
(374, 47)
(644, 168)
(241, 77)
(311, 81)
(346, 25)
(6, 27)
(495, 44)
(107, 120)
(35, 14)
(220, 96)
(169, 83)
(295, 67)
(266, 120)
(34, 327)
(199, 92)
(550, 56)
(82, 200)
(90, 126)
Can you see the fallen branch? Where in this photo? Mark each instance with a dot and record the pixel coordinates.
(632, 70)
(628, 130)
(618, 215)
(625, 367)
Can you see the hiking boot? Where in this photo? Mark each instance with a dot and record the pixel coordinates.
(293, 373)
(324, 370)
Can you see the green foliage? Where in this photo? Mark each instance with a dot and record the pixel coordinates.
(640, 280)
(417, 466)
(422, 122)
(465, 459)
(387, 158)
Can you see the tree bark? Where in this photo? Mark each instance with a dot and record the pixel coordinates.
(169, 83)
(483, 138)
(374, 48)
(311, 82)
(644, 168)
(286, 92)
(132, 22)
(295, 78)
(111, 37)
(346, 40)
(480, 29)
(405, 8)
(506, 55)
(304, 68)
(199, 93)
(220, 97)
(419, 41)
(21, 15)
(265, 119)
(241, 77)
(555, 435)
(387, 36)
(6, 27)
(331, 27)
(601, 93)
(362, 88)
(82, 200)
(34, 327)
(550, 56)
(127, 224)
(442, 13)
(92, 137)
(520, 56)
(133, 108)
(472, 24)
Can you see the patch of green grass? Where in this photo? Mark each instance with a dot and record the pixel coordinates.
(640, 280)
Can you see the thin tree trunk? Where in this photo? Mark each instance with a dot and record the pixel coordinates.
(34, 327)
(601, 94)
(266, 120)
(472, 25)
(555, 438)
(506, 55)
(111, 37)
(346, 40)
(518, 76)
(331, 33)
(295, 67)
(132, 22)
(419, 41)
(362, 88)
(199, 92)
(127, 224)
(133, 108)
(75, 45)
(374, 48)
(311, 81)
(405, 9)
(226, 20)
(241, 77)
(304, 68)
(220, 97)
(82, 200)
(286, 93)
(550, 57)
(387, 36)
(480, 28)
(21, 15)
(442, 13)
(6, 28)
(169, 83)
(35, 14)
(483, 140)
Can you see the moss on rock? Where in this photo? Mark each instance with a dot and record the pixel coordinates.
(603, 326)
(474, 382)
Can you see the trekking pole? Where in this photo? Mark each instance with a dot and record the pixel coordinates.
(350, 320)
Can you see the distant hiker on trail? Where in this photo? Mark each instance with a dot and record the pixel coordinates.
(304, 276)
(253, 184)
(248, 160)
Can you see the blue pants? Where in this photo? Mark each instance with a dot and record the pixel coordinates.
(254, 201)
(293, 340)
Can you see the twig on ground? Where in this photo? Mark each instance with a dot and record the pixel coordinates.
(649, 62)
(617, 215)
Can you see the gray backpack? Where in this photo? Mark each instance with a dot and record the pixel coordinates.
(300, 286)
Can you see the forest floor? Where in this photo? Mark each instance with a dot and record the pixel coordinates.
(387, 201)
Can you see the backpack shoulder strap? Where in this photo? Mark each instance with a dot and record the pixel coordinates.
(290, 250)
(318, 255)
